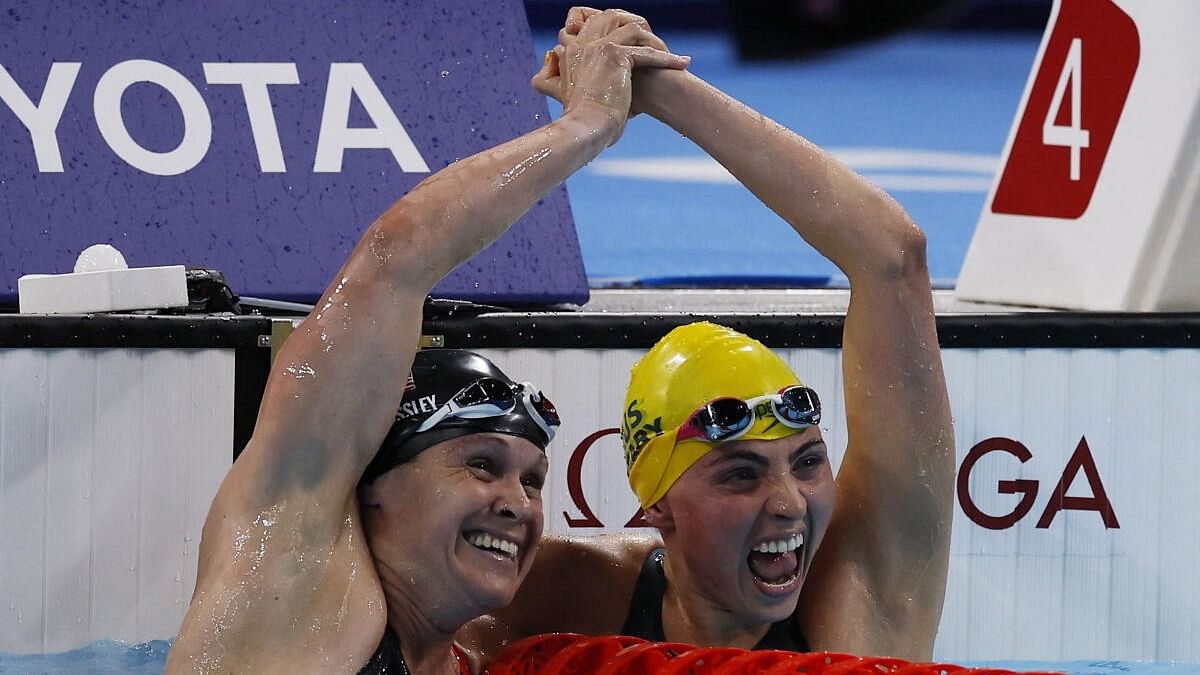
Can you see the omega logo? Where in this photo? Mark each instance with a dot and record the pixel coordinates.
(575, 486)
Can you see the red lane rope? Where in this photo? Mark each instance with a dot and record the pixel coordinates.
(573, 654)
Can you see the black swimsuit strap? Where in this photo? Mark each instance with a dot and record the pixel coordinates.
(645, 611)
(387, 659)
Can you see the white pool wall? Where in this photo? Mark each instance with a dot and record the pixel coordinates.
(109, 459)
(137, 441)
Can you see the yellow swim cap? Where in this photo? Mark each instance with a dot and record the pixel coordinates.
(691, 366)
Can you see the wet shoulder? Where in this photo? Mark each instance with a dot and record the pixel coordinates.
(577, 584)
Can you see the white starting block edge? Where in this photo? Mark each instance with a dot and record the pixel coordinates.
(1137, 246)
(103, 291)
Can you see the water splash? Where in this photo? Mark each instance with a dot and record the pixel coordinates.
(379, 246)
(329, 299)
(300, 371)
(520, 168)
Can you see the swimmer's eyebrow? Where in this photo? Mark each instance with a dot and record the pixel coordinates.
(755, 458)
(805, 446)
(484, 443)
(735, 455)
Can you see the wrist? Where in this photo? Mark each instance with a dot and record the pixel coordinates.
(660, 90)
(593, 119)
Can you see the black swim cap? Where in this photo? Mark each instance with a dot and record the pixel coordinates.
(437, 376)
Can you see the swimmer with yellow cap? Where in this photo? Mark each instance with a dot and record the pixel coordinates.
(759, 546)
(726, 458)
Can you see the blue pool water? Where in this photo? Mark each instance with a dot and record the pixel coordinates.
(936, 94)
(108, 657)
(105, 657)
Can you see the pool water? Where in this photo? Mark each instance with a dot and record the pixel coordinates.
(1094, 667)
(105, 657)
(109, 657)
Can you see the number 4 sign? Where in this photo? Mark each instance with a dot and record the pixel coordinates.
(1072, 111)
(1097, 206)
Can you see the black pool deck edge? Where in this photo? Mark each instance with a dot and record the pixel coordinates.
(613, 330)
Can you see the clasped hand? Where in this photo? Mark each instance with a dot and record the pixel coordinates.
(592, 66)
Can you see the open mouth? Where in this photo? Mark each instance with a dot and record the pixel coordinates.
(775, 564)
(483, 541)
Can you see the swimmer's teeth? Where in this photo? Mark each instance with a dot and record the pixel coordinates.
(781, 545)
(487, 541)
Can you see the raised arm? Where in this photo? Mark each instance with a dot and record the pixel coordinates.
(281, 546)
(336, 384)
(879, 577)
(338, 380)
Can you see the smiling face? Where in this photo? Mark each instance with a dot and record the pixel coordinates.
(742, 523)
(455, 529)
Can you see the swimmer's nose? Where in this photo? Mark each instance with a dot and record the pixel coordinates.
(512, 502)
(786, 500)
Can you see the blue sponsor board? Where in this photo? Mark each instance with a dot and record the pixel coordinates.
(261, 138)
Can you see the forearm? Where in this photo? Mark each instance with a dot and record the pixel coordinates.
(848, 220)
(458, 211)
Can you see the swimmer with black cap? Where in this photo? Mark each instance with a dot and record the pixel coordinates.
(372, 513)
(462, 426)
(760, 546)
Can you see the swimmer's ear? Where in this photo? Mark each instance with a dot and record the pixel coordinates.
(660, 516)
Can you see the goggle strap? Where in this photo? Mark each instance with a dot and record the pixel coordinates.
(535, 412)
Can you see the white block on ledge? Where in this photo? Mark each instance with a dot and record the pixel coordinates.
(111, 290)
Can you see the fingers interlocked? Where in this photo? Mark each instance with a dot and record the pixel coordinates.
(596, 53)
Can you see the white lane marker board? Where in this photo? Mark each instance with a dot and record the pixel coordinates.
(1097, 203)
